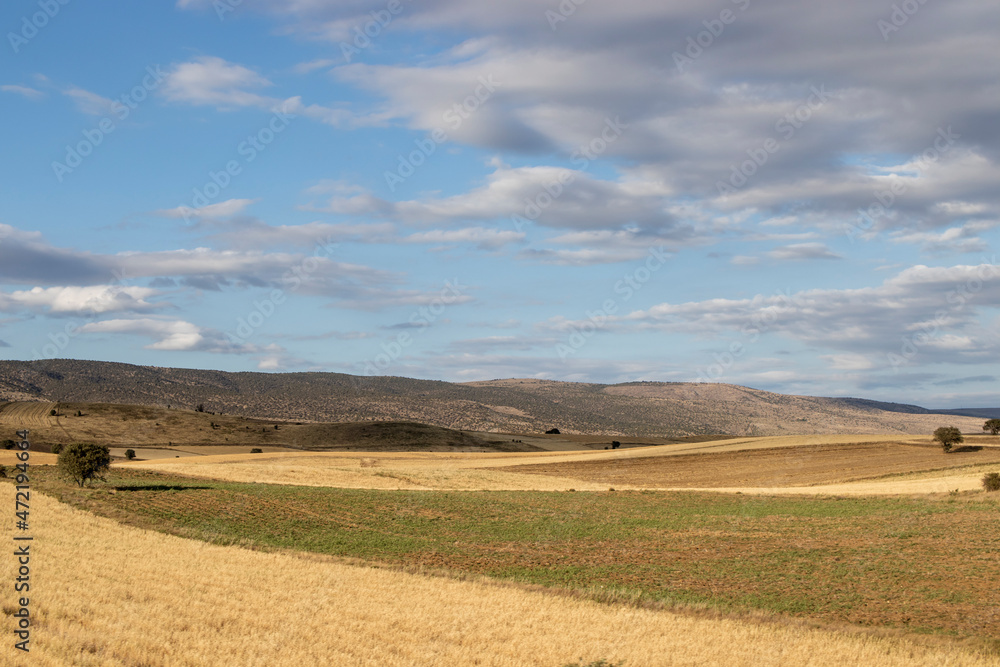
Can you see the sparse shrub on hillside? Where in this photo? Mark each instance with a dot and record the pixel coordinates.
(552, 431)
(52, 413)
(130, 454)
(991, 481)
(256, 450)
(79, 413)
(9, 444)
(200, 407)
(992, 425)
(57, 448)
(83, 461)
(948, 436)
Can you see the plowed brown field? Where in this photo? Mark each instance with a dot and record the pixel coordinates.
(780, 467)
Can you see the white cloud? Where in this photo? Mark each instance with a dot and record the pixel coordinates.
(802, 251)
(80, 300)
(212, 81)
(485, 239)
(223, 209)
(88, 102)
(24, 91)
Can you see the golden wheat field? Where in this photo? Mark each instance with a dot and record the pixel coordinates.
(107, 594)
(560, 471)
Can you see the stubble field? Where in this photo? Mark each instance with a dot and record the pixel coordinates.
(108, 594)
(652, 577)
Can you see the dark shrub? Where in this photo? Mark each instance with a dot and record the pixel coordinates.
(83, 461)
(256, 450)
(948, 436)
(991, 481)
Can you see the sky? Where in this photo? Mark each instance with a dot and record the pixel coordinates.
(801, 197)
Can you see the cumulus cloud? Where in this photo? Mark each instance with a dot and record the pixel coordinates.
(212, 81)
(933, 311)
(174, 335)
(75, 300)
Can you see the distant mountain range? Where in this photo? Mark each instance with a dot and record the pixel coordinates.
(512, 406)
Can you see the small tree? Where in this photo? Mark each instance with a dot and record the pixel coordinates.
(991, 481)
(83, 461)
(200, 407)
(130, 454)
(256, 450)
(948, 436)
(57, 448)
(992, 425)
(3, 470)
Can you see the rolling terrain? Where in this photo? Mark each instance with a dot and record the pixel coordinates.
(137, 426)
(643, 409)
(140, 597)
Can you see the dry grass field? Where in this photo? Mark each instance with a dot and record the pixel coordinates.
(656, 572)
(107, 594)
(826, 464)
(805, 465)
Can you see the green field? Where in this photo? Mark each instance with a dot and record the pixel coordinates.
(927, 565)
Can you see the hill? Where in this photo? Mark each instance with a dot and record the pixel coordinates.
(159, 427)
(512, 406)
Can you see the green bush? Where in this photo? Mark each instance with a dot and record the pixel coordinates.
(991, 481)
(3, 470)
(9, 444)
(256, 450)
(948, 436)
(83, 461)
(57, 448)
(130, 454)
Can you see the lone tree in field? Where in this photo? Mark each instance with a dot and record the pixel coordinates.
(992, 425)
(948, 436)
(81, 461)
(130, 454)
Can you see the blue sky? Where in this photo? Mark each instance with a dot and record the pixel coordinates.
(799, 197)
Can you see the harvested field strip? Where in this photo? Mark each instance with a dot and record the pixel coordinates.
(27, 415)
(924, 565)
(112, 595)
(798, 466)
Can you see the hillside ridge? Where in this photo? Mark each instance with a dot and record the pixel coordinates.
(509, 405)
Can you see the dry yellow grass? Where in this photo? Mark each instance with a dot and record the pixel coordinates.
(966, 479)
(461, 471)
(367, 470)
(8, 457)
(107, 594)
